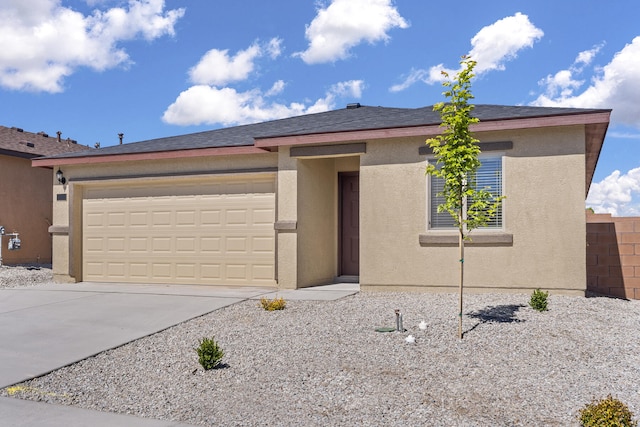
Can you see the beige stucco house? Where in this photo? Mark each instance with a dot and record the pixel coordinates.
(25, 192)
(343, 194)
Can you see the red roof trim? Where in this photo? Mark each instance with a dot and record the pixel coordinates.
(158, 155)
(263, 144)
(432, 130)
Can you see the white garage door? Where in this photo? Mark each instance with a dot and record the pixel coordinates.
(219, 232)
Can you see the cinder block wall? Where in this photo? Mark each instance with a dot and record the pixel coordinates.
(613, 255)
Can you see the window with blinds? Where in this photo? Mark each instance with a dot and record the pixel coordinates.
(488, 177)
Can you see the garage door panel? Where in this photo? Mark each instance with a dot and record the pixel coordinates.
(186, 245)
(236, 272)
(94, 269)
(157, 237)
(236, 217)
(94, 244)
(161, 245)
(161, 218)
(138, 219)
(186, 218)
(262, 271)
(115, 244)
(211, 271)
(115, 269)
(210, 245)
(139, 245)
(210, 217)
(139, 270)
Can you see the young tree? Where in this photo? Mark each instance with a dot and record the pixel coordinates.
(456, 152)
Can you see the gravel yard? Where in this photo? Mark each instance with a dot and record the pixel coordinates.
(11, 277)
(322, 363)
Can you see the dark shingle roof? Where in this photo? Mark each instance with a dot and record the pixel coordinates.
(346, 119)
(17, 142)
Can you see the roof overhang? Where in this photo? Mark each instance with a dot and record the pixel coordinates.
(596, 124)
(19, 154)
(156, 155)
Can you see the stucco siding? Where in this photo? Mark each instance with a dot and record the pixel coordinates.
(25, 208)
(316, 222)
(543, 212)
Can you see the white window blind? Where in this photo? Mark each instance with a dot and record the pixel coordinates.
(488, 176)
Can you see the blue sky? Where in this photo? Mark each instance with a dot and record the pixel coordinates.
(154, 68)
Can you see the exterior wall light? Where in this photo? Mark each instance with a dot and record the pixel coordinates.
(61, 179)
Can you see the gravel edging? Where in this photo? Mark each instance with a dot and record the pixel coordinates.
(322, 363)
(24, 275)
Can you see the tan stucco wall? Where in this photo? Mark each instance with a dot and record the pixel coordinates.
(308, 195)
(67, 256)
(316, 222)
(544, 211)
(25, 208)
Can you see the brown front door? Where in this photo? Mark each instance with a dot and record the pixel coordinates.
(349, 223)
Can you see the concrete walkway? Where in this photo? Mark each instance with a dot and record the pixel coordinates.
(44, 328)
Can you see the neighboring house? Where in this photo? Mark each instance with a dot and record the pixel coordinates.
(25, 193)
(337, 195)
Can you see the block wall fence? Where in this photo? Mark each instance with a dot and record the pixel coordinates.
(613, 256)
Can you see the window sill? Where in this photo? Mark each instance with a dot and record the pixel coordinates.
(480, 239)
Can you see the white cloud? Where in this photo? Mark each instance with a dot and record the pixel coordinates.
(624, 135)
(211, 101)
(347, 23)
(217, 68)
(616, 86)
(351, 89)
(276, 89)
(563, 83)
(615, 194)
(274, 47)
(492, 46)
(500, 42)
(586, 57)
(42, 42)
(418, 75)
(204, 104)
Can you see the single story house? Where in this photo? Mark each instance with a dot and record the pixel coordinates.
(25, 192)
(337, 195)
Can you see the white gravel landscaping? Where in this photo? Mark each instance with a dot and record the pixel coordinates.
(322, 363)
(14, 276)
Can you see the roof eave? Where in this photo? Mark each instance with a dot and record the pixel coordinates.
(156, 155)
(600, 116)
(20, 154)
(593, 140)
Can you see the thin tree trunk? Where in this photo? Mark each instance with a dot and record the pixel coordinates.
(461, 245)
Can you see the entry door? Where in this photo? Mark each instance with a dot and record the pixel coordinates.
(349, 224)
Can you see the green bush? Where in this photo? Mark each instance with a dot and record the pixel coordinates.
(209, 353)
(538, 300)
(273, 304)
(608, 412)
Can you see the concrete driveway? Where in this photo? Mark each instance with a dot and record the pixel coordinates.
(46, 327)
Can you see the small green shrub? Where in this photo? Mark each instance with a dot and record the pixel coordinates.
(538, 300)
(273, 304)
(209, 353)
(608, 412)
